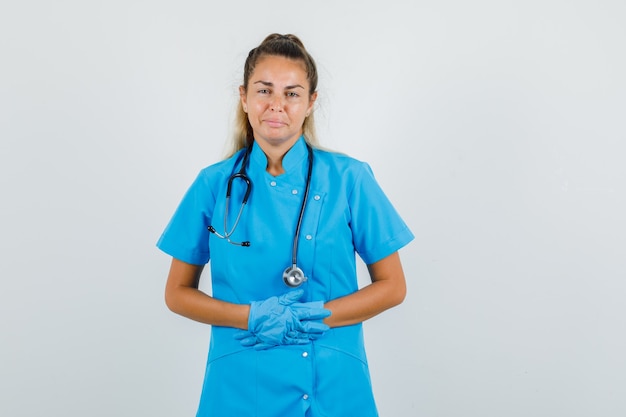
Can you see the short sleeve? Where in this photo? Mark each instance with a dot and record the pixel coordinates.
(186, 236)
(377, 228)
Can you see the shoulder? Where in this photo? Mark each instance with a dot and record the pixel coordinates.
(210, 179)
(341, 162)
(219, 170)
(343, 168)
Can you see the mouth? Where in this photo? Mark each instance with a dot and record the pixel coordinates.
(274, 123)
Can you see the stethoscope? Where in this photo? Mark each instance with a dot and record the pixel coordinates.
(292, 276)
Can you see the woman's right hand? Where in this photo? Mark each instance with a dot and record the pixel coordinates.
(283, 321)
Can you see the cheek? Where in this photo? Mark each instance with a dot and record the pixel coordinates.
(257, 105)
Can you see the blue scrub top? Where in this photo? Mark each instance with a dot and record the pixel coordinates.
(347, 212)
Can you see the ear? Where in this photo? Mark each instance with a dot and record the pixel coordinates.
(243, 98)
(311, 102)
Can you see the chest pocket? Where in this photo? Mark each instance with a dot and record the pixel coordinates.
(309, 229)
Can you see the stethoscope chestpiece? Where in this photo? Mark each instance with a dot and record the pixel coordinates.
(293, 276)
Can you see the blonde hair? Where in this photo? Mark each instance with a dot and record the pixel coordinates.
(288, 46)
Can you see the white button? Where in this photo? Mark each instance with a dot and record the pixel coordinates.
(317, 197)
(305, 397)
(305, 354)
(273, 183)
(294, 192)
(308, 237)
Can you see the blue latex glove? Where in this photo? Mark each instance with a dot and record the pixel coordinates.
(283, 321)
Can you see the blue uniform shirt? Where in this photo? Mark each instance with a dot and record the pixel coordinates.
(347, 212)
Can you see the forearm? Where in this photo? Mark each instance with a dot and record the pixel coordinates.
(196, 305)
(361, 305)
(388, 289)
(183, 297)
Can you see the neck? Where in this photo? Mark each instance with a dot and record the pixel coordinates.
(275, 164)
(275, 154)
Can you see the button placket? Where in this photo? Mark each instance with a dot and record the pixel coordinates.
(305, 355)
(316, 197)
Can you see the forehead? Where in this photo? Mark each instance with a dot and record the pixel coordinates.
(278, 70)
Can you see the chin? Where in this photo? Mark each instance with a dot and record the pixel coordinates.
(278, 138)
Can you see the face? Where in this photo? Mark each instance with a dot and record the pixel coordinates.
(277, 100)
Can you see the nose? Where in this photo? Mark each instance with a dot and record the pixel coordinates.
(277, 103)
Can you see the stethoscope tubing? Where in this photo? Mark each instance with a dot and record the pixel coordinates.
(294, 252)
(292, 276)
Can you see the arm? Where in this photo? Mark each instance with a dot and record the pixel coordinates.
(388, 289)
(183, 297)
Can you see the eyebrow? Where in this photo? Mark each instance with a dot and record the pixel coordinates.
(269, 84)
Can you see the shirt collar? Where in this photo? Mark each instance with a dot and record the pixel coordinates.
(295, 156)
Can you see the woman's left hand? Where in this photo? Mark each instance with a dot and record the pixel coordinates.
(283, 321)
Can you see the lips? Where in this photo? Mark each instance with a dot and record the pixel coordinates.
(275, 123)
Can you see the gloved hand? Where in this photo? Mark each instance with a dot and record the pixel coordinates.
(283, 321)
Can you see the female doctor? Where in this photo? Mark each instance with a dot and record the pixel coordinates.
(281, 220)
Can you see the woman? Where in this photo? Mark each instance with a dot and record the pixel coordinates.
(285, 310)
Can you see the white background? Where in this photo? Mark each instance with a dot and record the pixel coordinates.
(497, 128)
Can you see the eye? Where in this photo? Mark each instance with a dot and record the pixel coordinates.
(292, 94)
(263, 91)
